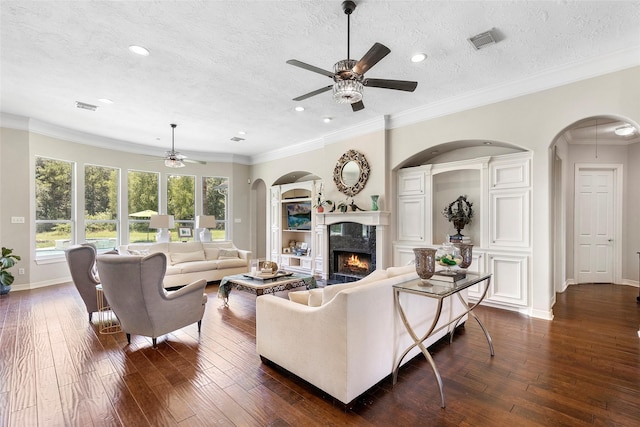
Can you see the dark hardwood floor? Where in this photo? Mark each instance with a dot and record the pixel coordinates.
(581, 369)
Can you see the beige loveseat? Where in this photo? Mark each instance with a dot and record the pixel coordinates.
(345, 338)
(191, 261)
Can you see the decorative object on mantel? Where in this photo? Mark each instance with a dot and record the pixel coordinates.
(425, 262)
(7, 261)
(374, 202)
(351, 173)
(460, 213)
(466, 252)
(346, 205)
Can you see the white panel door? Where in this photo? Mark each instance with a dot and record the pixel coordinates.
(594, 225)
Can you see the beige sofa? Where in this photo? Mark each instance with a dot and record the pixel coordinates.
(345, 338)
(191, 261)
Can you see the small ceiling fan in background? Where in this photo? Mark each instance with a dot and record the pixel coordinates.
(348, 75)
(172, 158)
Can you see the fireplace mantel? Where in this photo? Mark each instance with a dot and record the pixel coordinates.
(361, 217)
(379, 219)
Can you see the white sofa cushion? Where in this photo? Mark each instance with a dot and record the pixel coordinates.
(180, 257)
(330, 291)
(211, 254)
(195, 266)
(231, 262)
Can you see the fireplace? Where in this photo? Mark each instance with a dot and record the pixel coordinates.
(352, 251)
(363, 233)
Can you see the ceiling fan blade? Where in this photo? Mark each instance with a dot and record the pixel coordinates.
(314, 93)
(371, 58)
(357, 106)
(200, 162)
(306, 66)
(391, 84)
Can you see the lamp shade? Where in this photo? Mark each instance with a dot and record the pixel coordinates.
(205, 221)
(161, 221)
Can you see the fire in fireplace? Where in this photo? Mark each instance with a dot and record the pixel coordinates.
(353, 263)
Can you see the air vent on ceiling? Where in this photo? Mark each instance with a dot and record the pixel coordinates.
(482, 40)
(237, 139)
(85, 106)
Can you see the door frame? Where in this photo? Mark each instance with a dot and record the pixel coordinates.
(617, 215)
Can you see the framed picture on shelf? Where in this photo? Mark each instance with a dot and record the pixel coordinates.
(184, 232)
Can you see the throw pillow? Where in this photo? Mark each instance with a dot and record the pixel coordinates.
(228, 254)
(141, 252)
(178, 257)
(301, 297)
(315, 297)
(397, 271)
(330, 291)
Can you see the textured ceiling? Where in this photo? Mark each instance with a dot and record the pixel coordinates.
(218, 67)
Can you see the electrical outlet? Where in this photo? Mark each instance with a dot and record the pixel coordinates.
(17, 220)
(21, 271)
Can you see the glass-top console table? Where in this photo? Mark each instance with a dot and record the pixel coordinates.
(439, 290)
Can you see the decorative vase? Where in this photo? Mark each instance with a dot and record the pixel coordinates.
(425, 262)
(459, 226)
(466, 252)
(4, 289)
(374, 202)
(320, 209)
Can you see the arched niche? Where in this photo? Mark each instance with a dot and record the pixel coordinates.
(295, 176)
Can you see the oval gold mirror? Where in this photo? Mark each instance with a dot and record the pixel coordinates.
(351, 173)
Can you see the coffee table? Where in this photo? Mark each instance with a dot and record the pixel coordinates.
(261, 286)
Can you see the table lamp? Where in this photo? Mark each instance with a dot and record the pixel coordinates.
(163, 223)
(205, 222)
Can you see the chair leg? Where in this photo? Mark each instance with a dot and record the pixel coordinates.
(199, 325)
(90, 316)
(155, 344)
(129, 338)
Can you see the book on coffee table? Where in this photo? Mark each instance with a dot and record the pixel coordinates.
(268, 276)
(448, 276)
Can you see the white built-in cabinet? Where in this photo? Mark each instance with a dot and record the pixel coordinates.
(500, 188)
(280, 235)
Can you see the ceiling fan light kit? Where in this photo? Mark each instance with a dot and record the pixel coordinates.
(348, 75)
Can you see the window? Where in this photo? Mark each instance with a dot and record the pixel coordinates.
(181, 191)
(101, 186)
(143, 202)
(54, 206)
(214, 202)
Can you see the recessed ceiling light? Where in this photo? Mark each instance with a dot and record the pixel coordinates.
(418, 57)
(434, 152)
(299, 108)
(327, 119)
(105, 100)
(85, 106)
(241, 132)
(487, 143)
(139, 50)
(625, 130)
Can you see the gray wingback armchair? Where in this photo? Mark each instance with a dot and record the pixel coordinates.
(133, 287)
(82, 262)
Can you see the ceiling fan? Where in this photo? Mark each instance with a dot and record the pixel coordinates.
(348, 75)
(172, 158)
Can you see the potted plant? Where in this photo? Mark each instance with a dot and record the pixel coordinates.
(7, 261)
(321, 202)
(459, 212)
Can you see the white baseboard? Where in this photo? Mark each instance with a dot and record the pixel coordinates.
(43, 284)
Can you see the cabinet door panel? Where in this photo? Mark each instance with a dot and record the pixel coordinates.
(510, 219)
(402, 255)
(510, 175)
(411, 219)
(411, 183)
(477, 266)
(509, 283)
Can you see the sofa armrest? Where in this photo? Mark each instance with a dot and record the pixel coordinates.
(245, 255)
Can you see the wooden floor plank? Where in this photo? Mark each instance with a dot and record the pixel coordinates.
(57, 369)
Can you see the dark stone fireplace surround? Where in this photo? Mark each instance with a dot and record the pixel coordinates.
(351, 238)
